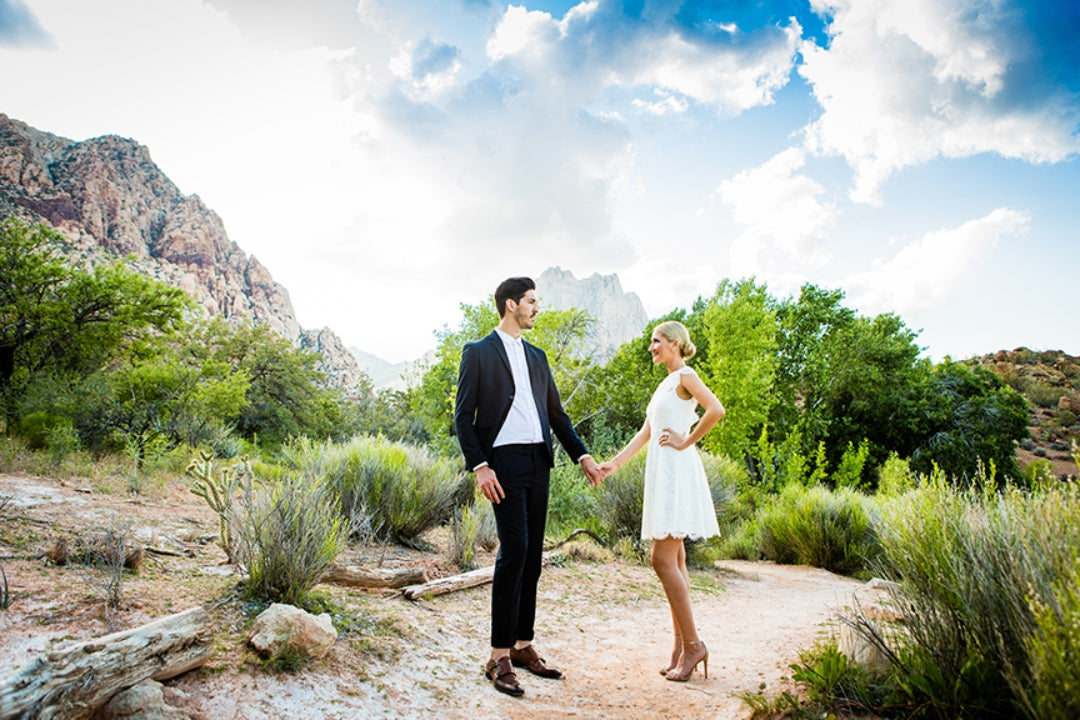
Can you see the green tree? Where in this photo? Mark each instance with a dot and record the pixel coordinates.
(59, 318)
(970, 416)
(559, 333)
(284, 396)
(741, 330)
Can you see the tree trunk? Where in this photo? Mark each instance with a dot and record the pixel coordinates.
(71, 684)
(360, 577)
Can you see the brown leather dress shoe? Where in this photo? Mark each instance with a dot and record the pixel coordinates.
(528, 658)
(503, 677)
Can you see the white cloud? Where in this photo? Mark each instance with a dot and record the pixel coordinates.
(905, 81)
(667, 104)
(923, 274)
(784, 220)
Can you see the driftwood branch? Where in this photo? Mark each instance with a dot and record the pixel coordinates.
(579, 531)
(71, 684)
(441, 586)
(376, 578)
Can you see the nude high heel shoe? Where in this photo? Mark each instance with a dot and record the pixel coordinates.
(676, 653)
(693, 654)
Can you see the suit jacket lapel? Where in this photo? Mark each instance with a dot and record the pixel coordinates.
(500, 350)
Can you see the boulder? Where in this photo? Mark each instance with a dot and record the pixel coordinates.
(284, 626)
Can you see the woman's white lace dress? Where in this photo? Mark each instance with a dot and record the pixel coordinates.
(677, 501)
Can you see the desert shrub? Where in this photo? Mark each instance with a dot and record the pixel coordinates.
(1052, 650)
(1039, 472)
(834, 530)
(220, 493)
(287, 535)
(621, 497)
(978, 570)
(1043, 395)
(473, 524)
(101, 557)
(400, 491)
(572, 502)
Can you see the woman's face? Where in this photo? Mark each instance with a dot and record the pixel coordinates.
(662, 349)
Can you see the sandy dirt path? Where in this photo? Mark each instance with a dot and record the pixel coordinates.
(606, 625)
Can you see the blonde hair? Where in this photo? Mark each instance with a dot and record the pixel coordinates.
(675, 331)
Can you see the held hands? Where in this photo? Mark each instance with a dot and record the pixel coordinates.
(489, 484)
(592, 471)
(607, 468)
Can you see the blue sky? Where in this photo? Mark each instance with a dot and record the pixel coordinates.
(387, 160)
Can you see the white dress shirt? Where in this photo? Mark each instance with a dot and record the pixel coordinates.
(522, 426)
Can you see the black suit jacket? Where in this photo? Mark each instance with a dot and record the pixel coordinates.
(486, 391)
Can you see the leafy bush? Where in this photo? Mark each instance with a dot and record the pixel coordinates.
(287, 535)
(834, 530)
(399, 491)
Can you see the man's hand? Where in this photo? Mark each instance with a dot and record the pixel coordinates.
(592, 471)
(489, 484)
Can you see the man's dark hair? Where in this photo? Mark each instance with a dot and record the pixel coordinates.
(512, 289)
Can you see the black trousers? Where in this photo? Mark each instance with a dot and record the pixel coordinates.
(524, 474)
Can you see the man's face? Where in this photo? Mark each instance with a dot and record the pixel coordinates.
(524, 312)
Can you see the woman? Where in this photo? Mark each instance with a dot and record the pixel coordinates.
(678, 502)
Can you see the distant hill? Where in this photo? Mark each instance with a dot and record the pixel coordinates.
(110, 200)
(1050, 381)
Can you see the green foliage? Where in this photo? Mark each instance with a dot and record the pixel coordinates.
(970, 415)
(975, 568)
(849, 473)
(57, 318)
(287, 536)
(397, 491)
(1053, 648)
(572, 502)
(740, 328)
(895, 477)
(473, 524)
(815, 526)
(621, 500)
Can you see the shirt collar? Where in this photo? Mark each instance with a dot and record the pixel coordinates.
(509, 339)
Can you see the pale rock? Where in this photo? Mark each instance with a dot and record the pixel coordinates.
(281, 626)
(618, 316)
(142, 701)
(861, 651)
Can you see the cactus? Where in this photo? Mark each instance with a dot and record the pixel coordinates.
(219, 493)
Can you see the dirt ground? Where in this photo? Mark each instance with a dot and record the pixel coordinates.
(605, 624)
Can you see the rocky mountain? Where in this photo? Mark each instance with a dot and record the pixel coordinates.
(619, 316)
(110, 200)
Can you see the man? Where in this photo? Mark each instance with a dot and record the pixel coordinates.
(507, 406)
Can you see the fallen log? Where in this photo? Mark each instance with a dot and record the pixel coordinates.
(73, 683)
(441, 586)
(374, 578)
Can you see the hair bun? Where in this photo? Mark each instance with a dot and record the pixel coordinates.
(689, 350)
